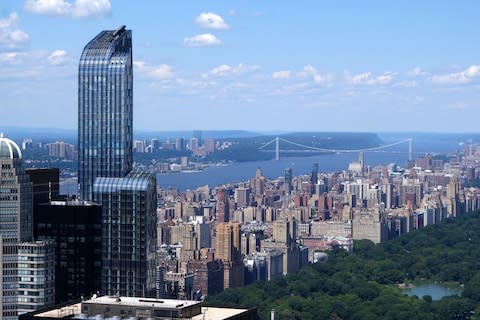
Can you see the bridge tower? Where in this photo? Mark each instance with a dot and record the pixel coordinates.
(410, 152)
(277, 148)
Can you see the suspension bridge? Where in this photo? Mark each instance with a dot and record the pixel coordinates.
(306, 148)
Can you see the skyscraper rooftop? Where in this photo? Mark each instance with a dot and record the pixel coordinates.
(9, 149)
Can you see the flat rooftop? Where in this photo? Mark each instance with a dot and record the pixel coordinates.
(142, 302)
(74, 310)
(214, 313)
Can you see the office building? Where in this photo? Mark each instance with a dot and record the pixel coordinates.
(119, 307)
(15, 222)
(76, 229)
(36, 276)
(105, 109)
(129, 233)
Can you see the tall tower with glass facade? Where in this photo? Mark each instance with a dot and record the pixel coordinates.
(105, 139)
(105, 109)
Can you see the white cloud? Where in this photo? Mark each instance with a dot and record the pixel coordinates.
(162, 71)
(319, 78)
(202, 40)
(461, 77)
(48, 7)
(417, 71)
(226, 70)
(221, 70)
(31, 65)
(57, 57)
(284, 74)
(77, 9)
(368, 78)
(210, 20)
(10, 36)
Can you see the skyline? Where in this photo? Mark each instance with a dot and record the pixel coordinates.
(215, 66)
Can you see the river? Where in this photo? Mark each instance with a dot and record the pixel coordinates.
(238, 172)
(243, 171)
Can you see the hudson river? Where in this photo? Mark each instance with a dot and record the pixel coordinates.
(238, 172)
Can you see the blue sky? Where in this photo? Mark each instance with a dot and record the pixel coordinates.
(253, 65)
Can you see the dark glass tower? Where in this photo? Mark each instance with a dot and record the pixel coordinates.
(129, 236)
(105, 109)
(105, 135)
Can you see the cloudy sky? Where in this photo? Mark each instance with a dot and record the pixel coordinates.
(254, 65)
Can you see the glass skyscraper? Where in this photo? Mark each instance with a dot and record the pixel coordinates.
(129, 205)
(105, 109)
(105, 136)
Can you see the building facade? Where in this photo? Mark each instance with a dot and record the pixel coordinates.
(15, 222)
(36, 276)
(129, 233)
(105, 109)
(76, 229)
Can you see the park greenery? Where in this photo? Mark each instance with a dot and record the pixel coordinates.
(364, 284)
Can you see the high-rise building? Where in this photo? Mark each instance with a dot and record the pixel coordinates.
(198, 135)
(180, 144)
(139, 146)
(15, 222)
(60, 149)
(36, 276)
(105, 109)
(193, 144)
(222, 207)
(129, 233)
(228, 249)
(154, 144)
(242, 197)
(105, 135)
(45, 184)
(209, 145)
(75, 227)
(288, 179)
(314, 175)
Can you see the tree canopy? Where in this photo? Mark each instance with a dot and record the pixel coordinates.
(363, 285)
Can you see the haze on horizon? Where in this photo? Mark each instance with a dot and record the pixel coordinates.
(272, 66)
